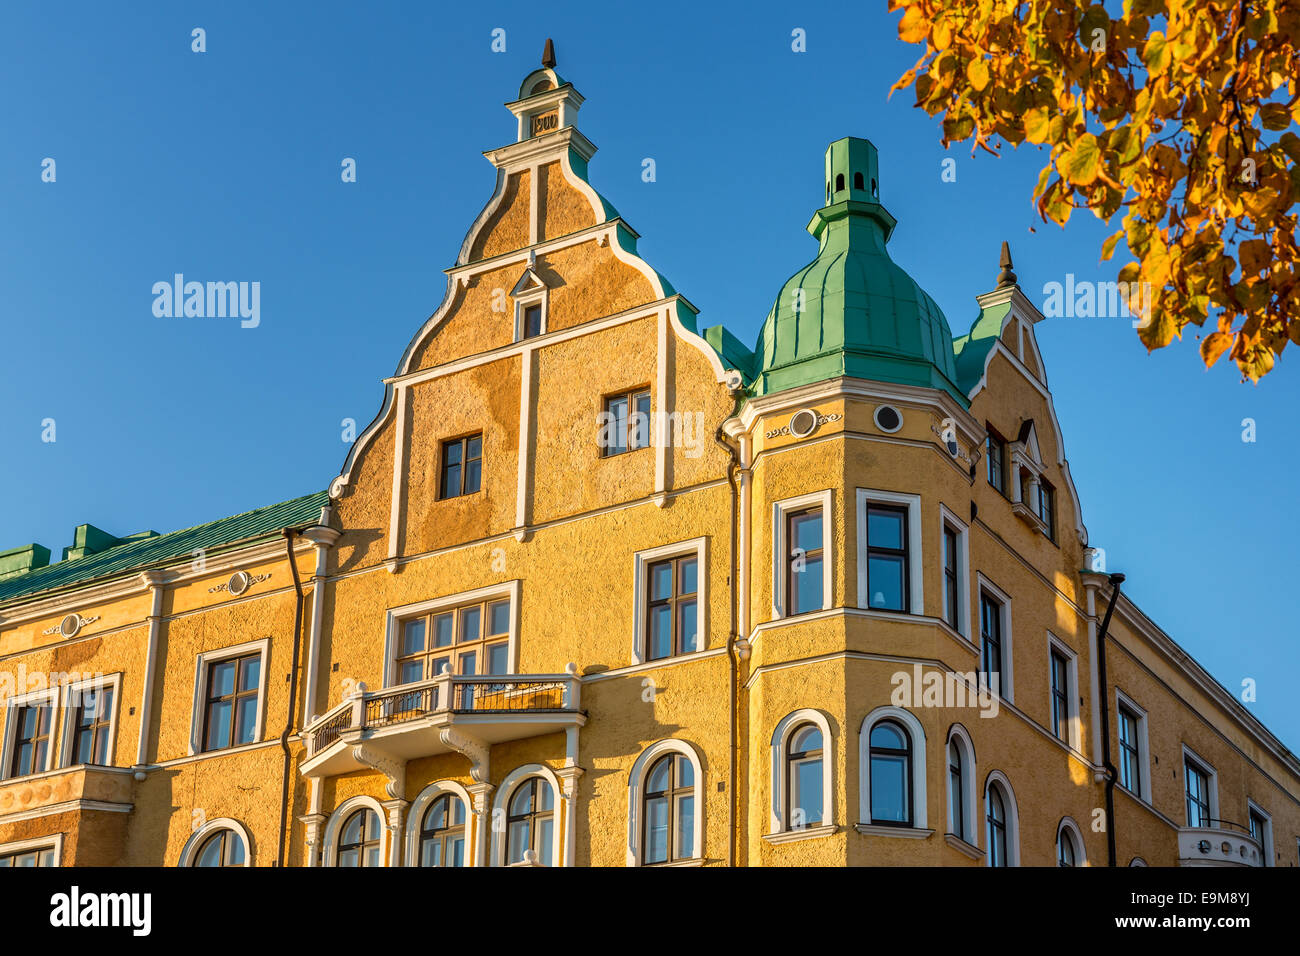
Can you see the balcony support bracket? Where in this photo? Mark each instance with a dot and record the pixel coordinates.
(391, 767)
(473, 748)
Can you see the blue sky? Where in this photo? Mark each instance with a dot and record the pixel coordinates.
(225, 166)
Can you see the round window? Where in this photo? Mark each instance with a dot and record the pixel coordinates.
(888, 419)
(803, 423)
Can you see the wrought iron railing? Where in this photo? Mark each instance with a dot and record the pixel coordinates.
(458, 695)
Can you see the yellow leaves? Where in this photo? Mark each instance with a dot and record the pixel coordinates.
(1156, 53)
(1108, 247)
(1258, 203)
(1275, 116)
(915, 26)
(977, 71)
(1037, 125)
(1084, 162)
(942, 38)
(1213, 346)
(1255, 256)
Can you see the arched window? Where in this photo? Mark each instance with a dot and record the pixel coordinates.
(839, 181)
(530, 822)
(804, 776)
(359, 843)
(442, 832)
(997, 826)
(956, 790)
(668, 809)
(857, 181)
(891, 775)
(222, 848)
(1069, 845)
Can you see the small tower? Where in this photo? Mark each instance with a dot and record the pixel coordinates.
(852, 171)
(546, 102)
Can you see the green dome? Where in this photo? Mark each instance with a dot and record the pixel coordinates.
(852, 311)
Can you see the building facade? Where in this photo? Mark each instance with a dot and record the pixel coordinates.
(599, 588)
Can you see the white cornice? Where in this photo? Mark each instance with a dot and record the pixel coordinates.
(539, 149)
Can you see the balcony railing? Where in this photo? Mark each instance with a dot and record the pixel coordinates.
(477, 696)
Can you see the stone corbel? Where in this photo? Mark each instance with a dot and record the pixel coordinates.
(390, 767)
(569, 780)
(476, 750)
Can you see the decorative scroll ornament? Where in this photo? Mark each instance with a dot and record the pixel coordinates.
(803, 423)
(71, 625)
(239, 583)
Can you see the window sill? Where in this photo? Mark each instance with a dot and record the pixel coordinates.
(807, 833)
(693, 861)
(908, 833)
(957, 843)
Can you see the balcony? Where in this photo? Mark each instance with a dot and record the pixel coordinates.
(68, 788)
(384, 729)
(1223, 843)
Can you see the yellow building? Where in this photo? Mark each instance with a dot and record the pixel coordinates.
(597, 588)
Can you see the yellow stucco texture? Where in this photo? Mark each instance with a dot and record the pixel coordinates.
(507, 228)
(562, 208)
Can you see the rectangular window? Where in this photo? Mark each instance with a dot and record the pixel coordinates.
(995, 455)
(91, 722)
(32, 723)
(38, 856)
(1130, 767)
(1198, 794)
(230, 702)
(1047, 507)
(532, 321)
(467, 640)
(804, 578)
(625, 423)
(991, 636)
(462, 467)
(1259, 831)
(1060, 697)
(887, 559)
(672, 608)
(950, 589)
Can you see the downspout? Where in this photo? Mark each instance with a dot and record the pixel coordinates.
(733, 463)
(289, 535)
(1111, 773)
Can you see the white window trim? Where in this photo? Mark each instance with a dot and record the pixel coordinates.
(948, 519)
(12, 705)
(205, 661)
(641, 562)
(197, 838)
(1144, 751)
(1073, 723)
(919, 765)
(1013, 818)
(501, 801)
(113, 681)
(1008, 689)
(780, 555)
(334, 829)
(526, 297)
(52, 842)
(1251, 805)
(396, 616)
(1067, 823)
(915, 536)
(778, 822)
(420, 805)
(970, 803)
(1211, 777)
(636, 787)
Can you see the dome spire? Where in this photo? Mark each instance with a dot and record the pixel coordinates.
(548, 55)
(1006, 277)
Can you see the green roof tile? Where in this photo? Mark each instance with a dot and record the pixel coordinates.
(164, 549)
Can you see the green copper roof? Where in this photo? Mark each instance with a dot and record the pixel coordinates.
(136, 555)
(852, 311)
(973, 348)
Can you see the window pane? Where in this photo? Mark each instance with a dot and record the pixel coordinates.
(885, 582)
(685, 827)
(806, 532)
(661, 581)
(889, 797)
(657, 779)
(473, 476)
(661, 623)
(641, 420)
(687, 625)
(499, 618)
(807, 802)
(469, 624)
(451, 453)
(223, 679)
(218, 724)
(885, 529)
(442, 630)
(888, 736)
(656, 837)
(469, 664)
(413, 637)
(451, 481)
(498, 659)
(616, 430)
(808, 587)
(546, 840)
(809, 738)
(249, 673)
(688, 571)
(245, 727)
(545, 799)
(411, 671)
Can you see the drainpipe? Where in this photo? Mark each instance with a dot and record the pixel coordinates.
(289, 535)
(734, 667)
(1111, 773)
(154, 580)
(323, 537)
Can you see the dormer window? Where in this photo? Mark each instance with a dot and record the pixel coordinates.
(531, 297)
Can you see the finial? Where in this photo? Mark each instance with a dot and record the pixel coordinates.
(1006, 276)
(548, 55)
